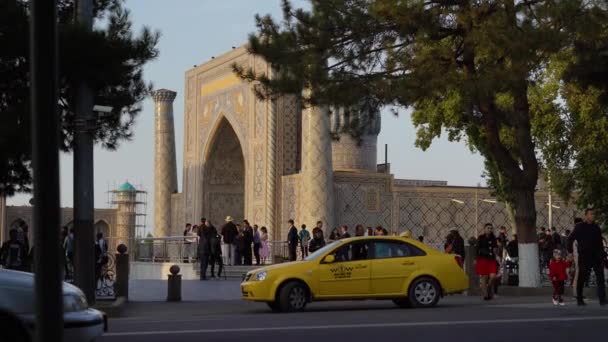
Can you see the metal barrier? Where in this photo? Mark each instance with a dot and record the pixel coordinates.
(178, 249)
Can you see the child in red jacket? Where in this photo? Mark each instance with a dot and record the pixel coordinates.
(558, 273)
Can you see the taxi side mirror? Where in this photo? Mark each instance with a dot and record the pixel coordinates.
(329, 259)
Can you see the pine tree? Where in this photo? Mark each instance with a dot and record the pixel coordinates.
(111, 59)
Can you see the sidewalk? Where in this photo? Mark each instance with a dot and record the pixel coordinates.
(150, 290)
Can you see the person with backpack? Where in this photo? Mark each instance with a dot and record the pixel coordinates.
(13, 254)
(304, 237)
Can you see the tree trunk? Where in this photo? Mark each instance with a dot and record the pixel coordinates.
(525, 221)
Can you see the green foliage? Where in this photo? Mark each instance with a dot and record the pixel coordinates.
(491, 73)
(110, 59)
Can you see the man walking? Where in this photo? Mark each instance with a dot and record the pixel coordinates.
(292, 240)
(204, 249)
(257, 243)
(588, 237)
(215, 251)
(13, 253)
(247, 243)
(229, 233)
(304, 237)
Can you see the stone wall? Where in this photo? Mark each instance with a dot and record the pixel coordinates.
(374, 199)
(290, 204)
(105, 218)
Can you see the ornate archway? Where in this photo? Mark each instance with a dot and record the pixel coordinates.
(224, 176)
(103, 227)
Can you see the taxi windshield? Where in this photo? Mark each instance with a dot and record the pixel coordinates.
(321, 251)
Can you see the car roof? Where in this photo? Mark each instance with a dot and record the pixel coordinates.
(414, 242)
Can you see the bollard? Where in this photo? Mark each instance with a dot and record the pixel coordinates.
(174, 285)
(469, 267)
(121, 285)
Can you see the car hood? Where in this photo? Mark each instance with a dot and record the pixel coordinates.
(282, 266)
(24, 281)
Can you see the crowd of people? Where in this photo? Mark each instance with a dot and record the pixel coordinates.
(16, 253)
(234, 244)
(566, 258)
(239, 244)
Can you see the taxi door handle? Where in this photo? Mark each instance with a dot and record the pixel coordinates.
(408, 263)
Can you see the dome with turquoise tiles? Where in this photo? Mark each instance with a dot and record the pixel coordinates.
(127, 187)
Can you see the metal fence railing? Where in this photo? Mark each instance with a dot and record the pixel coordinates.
(180, 249)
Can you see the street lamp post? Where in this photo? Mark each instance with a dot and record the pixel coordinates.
(45, 166)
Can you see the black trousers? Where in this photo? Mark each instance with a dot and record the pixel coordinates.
(247, 258)
(204, 260)
(256, 253)
(585, 266)
(216, 259)
(292, 252)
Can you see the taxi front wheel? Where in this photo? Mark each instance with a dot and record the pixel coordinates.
(292, 297)
(424, 293)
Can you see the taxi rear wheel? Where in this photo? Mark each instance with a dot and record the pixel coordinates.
(292, 297)
(424, 293)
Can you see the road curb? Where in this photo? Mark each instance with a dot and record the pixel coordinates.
(515, 291)
(114, 308)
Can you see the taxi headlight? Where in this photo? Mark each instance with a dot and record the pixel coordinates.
(74, 302)
(260, 276)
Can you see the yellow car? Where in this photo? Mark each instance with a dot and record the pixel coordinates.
(397, 268)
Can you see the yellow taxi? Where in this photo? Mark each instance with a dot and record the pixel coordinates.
(382, 267)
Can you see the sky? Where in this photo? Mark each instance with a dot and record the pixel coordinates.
(192, 32)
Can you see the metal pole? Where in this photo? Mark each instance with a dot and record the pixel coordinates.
(45, 165)
(84, 206)
(476, 212)
(550, 205)
(386, 158)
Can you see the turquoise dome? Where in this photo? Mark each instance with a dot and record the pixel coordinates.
(126, 187)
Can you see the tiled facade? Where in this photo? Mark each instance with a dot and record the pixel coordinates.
(291, 168)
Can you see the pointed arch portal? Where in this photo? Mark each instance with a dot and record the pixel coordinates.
(224, 176)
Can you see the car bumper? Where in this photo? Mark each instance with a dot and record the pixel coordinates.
(84, 325)
(257, 291)
(458, 283)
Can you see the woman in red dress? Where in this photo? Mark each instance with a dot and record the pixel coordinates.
(485, 262)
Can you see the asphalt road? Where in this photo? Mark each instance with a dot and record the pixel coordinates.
(456, 319)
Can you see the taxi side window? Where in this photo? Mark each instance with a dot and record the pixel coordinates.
(358, 250)
(395, 249)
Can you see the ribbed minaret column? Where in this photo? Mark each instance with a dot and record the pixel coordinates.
(271, 181)
(165, 166)
(317, 200)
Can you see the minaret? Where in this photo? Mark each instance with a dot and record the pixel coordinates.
(317, 200)
(165, 166)
(126, 214)
(359, 152)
